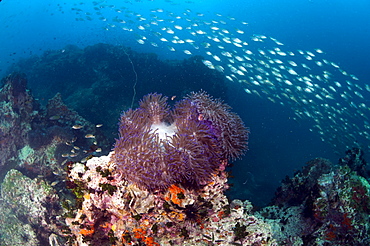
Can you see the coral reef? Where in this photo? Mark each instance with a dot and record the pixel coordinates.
(181, 204)
(164, 182)
(355, 160)
(18, 108)
(38, 142)
(112, 211)
(29, 211)
(44, 138)
(322, 205)
(157, 148)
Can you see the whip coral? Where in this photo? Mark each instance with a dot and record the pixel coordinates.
(158, 147)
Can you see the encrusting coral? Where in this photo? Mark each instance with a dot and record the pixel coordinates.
(128, 215)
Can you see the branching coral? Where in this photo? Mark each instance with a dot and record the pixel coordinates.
(158, 147)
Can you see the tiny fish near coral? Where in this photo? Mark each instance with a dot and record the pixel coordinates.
(158, 147)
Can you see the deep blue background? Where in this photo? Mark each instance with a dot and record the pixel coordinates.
(341, 28)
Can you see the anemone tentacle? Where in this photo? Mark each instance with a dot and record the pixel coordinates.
(158, 147)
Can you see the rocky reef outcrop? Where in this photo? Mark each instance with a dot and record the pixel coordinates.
(36, 143)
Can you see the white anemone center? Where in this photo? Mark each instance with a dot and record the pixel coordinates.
(164, 130)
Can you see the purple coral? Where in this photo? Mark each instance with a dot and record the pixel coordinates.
(158, 148)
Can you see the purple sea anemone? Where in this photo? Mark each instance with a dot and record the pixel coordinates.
(158, 148)
(229, 128)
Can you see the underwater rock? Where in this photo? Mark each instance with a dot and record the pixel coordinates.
(14, 231)
(17, 110)
(355, 160)
(29, 209)
(39, 140)
(322, 205)
(293, 191)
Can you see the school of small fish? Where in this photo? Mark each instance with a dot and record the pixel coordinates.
(304, 80)
(76, 150)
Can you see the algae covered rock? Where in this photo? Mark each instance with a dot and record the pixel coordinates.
(13, 230)
(27, 207)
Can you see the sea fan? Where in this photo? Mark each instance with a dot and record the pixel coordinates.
(158, 148)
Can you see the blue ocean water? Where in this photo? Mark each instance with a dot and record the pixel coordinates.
(340, 28)
(279, 142)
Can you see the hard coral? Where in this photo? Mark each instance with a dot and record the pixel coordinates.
(158, 148)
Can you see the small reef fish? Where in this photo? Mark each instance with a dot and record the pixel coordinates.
(76, 127)
(313, 87)
(55, 117)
